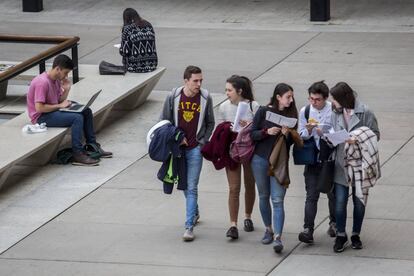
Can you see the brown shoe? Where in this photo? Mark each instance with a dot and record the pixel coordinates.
(82, 159)
(95, 149)
(104, 153)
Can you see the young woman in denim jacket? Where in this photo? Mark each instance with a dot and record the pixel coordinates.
(239, 89)
(265, 134)
(348, 114)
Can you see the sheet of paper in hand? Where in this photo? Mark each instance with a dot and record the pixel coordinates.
(280, 120)
(242, 110)
(338, 137)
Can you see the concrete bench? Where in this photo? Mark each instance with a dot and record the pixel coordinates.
(118, 92)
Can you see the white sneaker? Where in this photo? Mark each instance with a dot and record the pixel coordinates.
(34, 128)
(188, 235)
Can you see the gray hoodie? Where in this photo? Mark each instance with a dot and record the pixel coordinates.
(205, 124)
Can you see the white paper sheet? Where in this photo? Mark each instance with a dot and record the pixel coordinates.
(280, 120)
(117, 46)
(324, 127)
(338, 137)
(241, 114)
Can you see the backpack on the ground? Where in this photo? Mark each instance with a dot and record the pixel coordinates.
(92, 150)
(63, 157)
(242, 149)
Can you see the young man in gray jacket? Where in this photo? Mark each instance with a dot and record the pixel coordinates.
(190, 107)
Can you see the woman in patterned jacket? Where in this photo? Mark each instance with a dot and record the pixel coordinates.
(138, 51)
(348, 114)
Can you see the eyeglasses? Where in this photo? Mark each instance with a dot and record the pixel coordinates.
(315, 99)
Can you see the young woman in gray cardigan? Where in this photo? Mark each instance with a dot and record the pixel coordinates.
(348, 114)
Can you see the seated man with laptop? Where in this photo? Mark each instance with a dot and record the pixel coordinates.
(48, 94)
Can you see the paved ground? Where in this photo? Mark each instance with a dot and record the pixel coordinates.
(114, 219)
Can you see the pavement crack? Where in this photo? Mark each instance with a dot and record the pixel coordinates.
(130, 263)
(397, 151)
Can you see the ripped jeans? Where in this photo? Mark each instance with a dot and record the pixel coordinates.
(269, 191)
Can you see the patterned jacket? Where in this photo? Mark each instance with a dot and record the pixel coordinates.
(362, 162)
(138, 51)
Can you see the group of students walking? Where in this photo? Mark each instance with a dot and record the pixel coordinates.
(190, 108)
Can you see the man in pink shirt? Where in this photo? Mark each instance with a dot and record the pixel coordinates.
(48, 92)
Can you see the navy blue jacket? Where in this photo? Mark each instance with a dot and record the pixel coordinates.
(165, 147)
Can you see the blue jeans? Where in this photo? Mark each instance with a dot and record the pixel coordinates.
(341, 196)
(194, 162)
(78, 122)
(269, 188)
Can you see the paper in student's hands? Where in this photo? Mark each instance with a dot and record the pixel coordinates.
(325, 127)
(338, 137)
(241, 113)
(280, 120)
(117, 46)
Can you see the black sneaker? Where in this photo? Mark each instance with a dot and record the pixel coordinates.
(233, 233)
(306, 236)
(332, 230)
(356, 242)
(277, 245)
(340, 244)
(248, 225)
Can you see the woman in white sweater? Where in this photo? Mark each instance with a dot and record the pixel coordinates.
(239, 89)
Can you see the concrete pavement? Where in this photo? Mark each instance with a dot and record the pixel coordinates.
(115, 219)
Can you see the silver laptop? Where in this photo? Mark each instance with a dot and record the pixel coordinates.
(76, 107)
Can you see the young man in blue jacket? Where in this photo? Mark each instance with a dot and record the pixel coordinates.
(190, 107)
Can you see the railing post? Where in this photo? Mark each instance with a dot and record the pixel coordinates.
(42, 67)
(75, 71)
(3, 89)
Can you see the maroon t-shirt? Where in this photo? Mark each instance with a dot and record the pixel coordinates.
(188, 114)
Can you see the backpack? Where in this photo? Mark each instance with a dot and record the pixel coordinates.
(63, 157)
(242, 149)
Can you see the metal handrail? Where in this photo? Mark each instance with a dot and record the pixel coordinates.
(64, 43)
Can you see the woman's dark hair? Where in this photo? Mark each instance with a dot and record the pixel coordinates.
(344, 95)
(243, 84)
(131, 16)
(319, 88)
(63, 61)
(280, 90)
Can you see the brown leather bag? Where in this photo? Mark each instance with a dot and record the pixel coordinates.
(279, 162)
